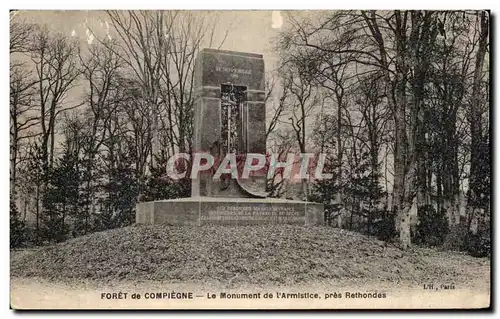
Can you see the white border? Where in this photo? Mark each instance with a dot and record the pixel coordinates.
(217, 4)
(248, 5)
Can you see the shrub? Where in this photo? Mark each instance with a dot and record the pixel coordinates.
(17, 227)
(432, 227)
(331, 210)
(384, 229)
(455, 239)
(478, 245)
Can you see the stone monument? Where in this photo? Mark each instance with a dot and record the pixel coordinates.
(229, 117)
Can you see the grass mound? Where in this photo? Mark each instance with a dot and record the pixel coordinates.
(252, 254)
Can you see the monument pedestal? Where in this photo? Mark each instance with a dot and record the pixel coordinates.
(197, 211)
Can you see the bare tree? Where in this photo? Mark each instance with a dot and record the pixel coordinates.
(143, 42)
(281, 143)
(23, 117)
(20, 32)
(160, 49)
(54, 59)
(135, 111)
(189, 30)
(399, 46)
(301, 99)
(22, 106)
(100, 68)
(278, 107)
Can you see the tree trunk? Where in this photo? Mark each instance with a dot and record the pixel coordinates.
(395, 91)
(475, 113)
(154, 133)
(37, 214)
(13, 166)
(339, 149)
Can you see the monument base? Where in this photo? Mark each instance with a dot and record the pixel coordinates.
(197, 211)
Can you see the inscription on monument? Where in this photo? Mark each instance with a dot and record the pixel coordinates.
(232, 70)
(217, 67)
(253, 213)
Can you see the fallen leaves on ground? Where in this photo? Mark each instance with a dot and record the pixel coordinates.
(280, 254)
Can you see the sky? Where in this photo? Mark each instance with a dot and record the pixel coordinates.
(249, 31)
